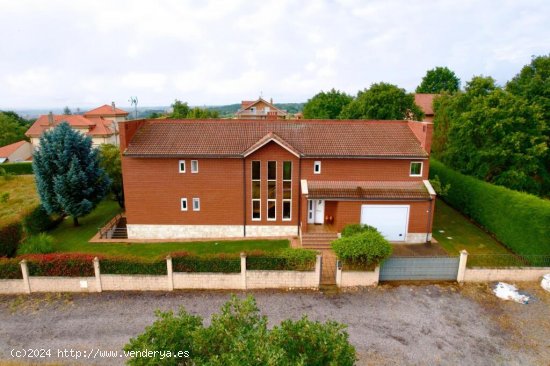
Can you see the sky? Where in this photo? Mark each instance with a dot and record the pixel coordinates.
(88, 53)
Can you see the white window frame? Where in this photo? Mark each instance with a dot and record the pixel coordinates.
(286, 199)
(274, 200)
(180, 164)
(283, 210)
(252, 180)
(421, 168)
(196, 163)
(181, 204)
(196, 204)
(317, 164)
(252, 209)
(267, 208)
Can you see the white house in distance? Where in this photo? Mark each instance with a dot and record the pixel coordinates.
(18, 151)
(101, 124)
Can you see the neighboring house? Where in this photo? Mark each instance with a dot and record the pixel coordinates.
(18, 151)
(260, 109)
(425, 102)
(101, 124)
(235, 178)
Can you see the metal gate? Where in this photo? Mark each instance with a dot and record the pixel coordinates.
(419, 268)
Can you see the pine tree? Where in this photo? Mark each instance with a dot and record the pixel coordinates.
(68, 177)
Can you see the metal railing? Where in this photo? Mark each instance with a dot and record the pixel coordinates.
(109, 227)
(507, 260)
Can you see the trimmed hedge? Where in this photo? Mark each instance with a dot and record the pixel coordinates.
(219, 263)
(10, 269)
(290, 259)
(130, 266)
(18, 168)
(60, 264)
(10, 236)
(363, 250)
(519, 220)
(37, 221)
(353, 229)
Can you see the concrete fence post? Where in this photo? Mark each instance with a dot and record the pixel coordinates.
(462, 266)
(243, 271)
(318, 261)
(377, 274)
(25, 272)
(97, 273)
(170, 272)
(338, 273)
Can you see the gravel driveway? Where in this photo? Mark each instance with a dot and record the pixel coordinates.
(408, 324)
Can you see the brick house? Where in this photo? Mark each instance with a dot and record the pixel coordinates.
(259, 109)
(425, 102)
(235, 178)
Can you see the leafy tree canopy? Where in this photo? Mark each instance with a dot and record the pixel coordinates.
(439, 80)
(239, 335)
(327, 105)
(68, 177)
(12, 128)
(382, 101)
(183, 111)
(111, 164)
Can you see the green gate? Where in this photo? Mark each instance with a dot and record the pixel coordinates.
(419, 268)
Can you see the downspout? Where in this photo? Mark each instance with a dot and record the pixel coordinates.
(430, 203)
(244, 196)
(299, 194)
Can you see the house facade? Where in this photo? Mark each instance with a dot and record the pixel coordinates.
(237, 178)
(260, 109)
(101, 124)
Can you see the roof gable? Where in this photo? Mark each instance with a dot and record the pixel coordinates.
(425, 102)
(106, 110)
(271, 137)
(95, 125)
(6, 151)
(251, 104)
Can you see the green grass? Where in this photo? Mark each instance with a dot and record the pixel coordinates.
(464, 234)
(22, 197)
(75, 239)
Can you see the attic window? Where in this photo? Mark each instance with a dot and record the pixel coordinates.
(416, 169)
(317, 167)
(182, 166)
(194, 166)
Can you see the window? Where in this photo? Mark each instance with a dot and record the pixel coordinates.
(287, 190)
(196, 204)
(317, 167)
(182, 166)
(194, 166)
(271, 190)
(416, 169)
(184, 204)
(256, 191)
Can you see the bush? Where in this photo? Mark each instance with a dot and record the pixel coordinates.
(18, 168)
(362, 250)
(239, 335)
(38, 221)
(129, 265)
(38, 244)
(289, 259)
(519, 220)
(10, 269)
(353, 229)
(60, 264)
(10, 236)
(220, 263)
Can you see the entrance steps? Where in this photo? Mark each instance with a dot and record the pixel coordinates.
(318, 240)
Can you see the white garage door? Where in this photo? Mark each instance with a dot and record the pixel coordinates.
(391, 220)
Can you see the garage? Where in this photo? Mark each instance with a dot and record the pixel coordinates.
(391, 220)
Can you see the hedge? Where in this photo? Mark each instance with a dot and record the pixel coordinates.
(10, 269)
(60, 264)
(38, 220)
(18, 168)
(10, 236)
(354, 229)
(130, 266)
(220, 263)
(519, 220)
(363, 250)
(290, 259)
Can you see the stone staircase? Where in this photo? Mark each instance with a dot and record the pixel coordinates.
(120, 231)
(318, 240)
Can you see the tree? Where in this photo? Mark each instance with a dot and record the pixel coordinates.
(67, 111)
(202, 113)
(68, 177)
(382, 101)
(11, 128)
(179, 109)
(110, 162)
(239, 336)
(439, 80)
(327, 105)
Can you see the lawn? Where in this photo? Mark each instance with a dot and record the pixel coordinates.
(455, 232)
(22, 197)
(75, 239)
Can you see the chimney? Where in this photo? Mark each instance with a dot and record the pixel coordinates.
(113, 105)
(50, 118)
(271, 100)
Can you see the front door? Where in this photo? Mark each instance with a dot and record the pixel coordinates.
(319, 211)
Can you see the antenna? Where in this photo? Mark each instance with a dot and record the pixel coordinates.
(134, 101)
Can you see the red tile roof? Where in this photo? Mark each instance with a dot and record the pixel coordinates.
(425, 102)
(310, 138)
(371, 190)
(7, 150)
(96, 126)
(106, 111)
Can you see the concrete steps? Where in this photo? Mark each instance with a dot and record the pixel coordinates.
(318, 240)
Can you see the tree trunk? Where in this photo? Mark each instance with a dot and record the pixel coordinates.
(75, 221)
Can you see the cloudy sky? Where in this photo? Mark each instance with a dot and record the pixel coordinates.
(87, 53)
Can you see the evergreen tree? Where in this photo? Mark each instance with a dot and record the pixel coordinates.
(68, 177)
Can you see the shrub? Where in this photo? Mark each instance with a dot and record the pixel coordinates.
(221, 263)
(129, 265)
(362, 250)
(18, 168)
(38, 221)
(60, 264)
(519, 220)
(284, 260)
(353, 229)
(10, 269)
(38, 244)
(239, 335)
(10, 236)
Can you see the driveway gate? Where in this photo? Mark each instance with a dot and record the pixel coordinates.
(419, 268)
